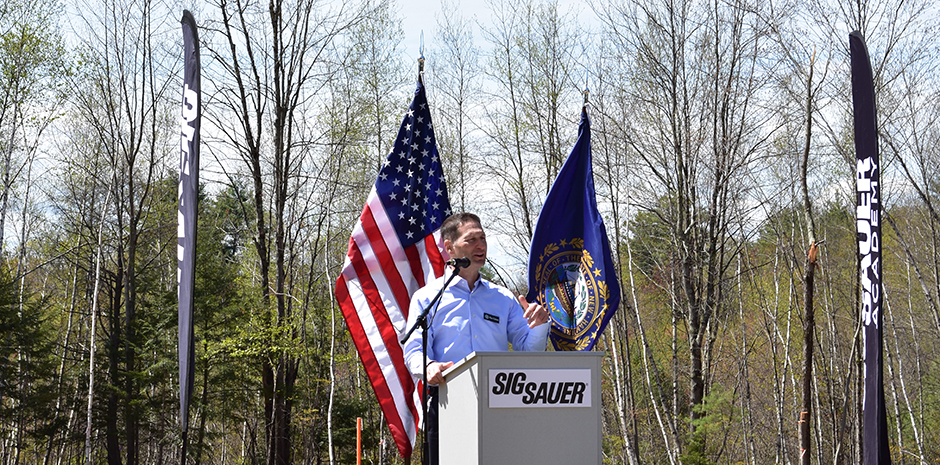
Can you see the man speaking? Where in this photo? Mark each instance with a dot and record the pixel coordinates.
(473, 315)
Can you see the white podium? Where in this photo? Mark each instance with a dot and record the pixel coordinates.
(522, 408)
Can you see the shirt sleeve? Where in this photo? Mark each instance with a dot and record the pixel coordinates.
(520, 335)
(414, 353)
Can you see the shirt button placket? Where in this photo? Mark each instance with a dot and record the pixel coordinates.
(473, 315)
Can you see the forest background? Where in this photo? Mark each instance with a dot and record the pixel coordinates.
(723, 150)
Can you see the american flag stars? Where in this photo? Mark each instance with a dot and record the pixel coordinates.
(409, 184)
(383, 268)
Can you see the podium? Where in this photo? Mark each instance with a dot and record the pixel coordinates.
(522, 407)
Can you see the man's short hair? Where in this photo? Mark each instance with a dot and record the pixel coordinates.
(453, 222)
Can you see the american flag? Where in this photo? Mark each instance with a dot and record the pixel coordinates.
(395, 248)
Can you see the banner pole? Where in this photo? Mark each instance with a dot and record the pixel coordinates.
(190, 116)
(876, 450)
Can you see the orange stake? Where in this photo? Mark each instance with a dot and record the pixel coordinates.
(359, 441)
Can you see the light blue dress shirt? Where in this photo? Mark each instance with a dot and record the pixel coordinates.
(488, 318)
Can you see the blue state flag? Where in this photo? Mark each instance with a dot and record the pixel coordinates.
(571, 272)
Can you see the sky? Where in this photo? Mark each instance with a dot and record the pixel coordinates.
(418, 15)
(421, 15)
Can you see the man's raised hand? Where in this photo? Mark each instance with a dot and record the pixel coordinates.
(534, 313)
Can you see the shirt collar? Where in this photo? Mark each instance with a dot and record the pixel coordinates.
(464, 284)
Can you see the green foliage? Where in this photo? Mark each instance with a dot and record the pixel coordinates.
(229, 332)
(345, 411)
(660, 113)
(716, 412)
(651, 243)
(931, 405)
(33, 63)
(27, 364)
(10, 325)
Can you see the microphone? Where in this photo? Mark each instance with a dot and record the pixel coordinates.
(459, 263)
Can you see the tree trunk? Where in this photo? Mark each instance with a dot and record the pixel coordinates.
(666, 428)
(130, 340)
(91, 336)
(809, 325)
(809, 284)
(73, 291)
(204, 406)
(114, 370)
(7, 179)
(329, 411)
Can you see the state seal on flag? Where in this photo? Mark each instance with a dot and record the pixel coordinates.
(572, 289)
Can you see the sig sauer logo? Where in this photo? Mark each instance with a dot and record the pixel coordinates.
(572, 288)
(554, 392)
(540, 388)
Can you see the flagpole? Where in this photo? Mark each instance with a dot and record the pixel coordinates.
(422, 322)
(371, 289)
(571, 225)
(421, 59)
(586, 93)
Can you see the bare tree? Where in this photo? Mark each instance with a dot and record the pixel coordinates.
(276, 62)
(698, 131)
(123, 96)
(33, 64)
(455, 68)
(526, 133)
(612, 149)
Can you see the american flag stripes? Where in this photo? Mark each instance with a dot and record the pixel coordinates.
(395, 248)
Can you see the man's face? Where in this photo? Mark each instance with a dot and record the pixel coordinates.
(470, 243)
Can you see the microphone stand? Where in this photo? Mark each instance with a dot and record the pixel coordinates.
(422, 321)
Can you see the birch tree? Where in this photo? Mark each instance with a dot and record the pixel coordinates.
(698, 131)
(456, 71)
(123, 95)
